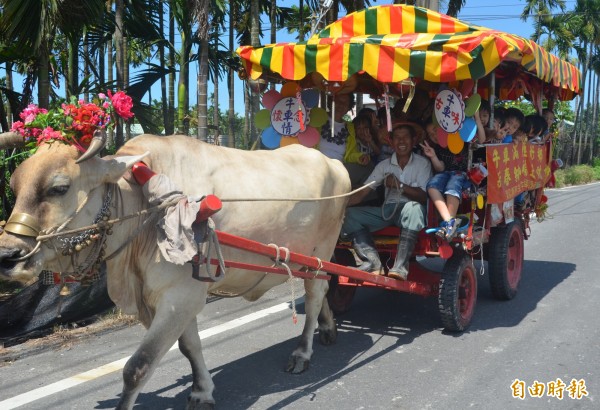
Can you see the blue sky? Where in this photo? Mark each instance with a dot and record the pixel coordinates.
(501, 15)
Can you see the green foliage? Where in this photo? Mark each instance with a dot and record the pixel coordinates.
(577, 175)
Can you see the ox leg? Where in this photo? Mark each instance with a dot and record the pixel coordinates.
(202, 388)
(167, 326)
(314, 305)
(327, 327)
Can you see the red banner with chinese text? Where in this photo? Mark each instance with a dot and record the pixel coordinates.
(515, 168)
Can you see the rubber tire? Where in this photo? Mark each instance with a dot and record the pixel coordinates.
(505, 259)
(340, 297)
(458, 292)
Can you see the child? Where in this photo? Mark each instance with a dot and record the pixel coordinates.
(514, 119)
(496, 133)
(538, 128)
(484, 113)
(451, 178)
(366, 139)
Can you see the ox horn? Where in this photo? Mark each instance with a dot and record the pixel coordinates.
(11, 140)
(98, 142)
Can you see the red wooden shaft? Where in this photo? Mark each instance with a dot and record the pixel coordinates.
(141, 173)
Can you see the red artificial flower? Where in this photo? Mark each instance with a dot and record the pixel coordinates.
(122, 104)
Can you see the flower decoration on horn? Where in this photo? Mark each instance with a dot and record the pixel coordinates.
(291, 116)
(74, 122)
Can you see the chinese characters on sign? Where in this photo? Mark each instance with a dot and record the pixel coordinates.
(515, 168)
(449, 111)
(286, 116)
(558, 389)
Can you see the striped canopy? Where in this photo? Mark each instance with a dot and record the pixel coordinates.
(392, 43)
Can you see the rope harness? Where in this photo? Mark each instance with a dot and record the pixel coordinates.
(93, 237)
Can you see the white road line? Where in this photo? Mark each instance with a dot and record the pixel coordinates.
(93, 374)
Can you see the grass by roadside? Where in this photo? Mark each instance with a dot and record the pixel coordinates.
(63, 337)
(578, 175)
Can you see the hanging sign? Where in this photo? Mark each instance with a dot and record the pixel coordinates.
(449, 110)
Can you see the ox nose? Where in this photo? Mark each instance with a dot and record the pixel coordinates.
(6, 258)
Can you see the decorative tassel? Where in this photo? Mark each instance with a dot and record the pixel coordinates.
(388, 115)
(300, 113)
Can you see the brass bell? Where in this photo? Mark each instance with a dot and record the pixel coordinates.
(78, 247)
(64, 291)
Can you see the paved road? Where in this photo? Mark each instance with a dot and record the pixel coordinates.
(391, 351)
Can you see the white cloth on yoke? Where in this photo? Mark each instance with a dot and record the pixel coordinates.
(175, 236)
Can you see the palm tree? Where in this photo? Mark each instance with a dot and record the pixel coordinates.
(542, 10)
(589, 34)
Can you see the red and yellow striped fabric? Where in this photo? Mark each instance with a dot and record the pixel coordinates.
(395, 42)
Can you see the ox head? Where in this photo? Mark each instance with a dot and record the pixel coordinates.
(52, 186)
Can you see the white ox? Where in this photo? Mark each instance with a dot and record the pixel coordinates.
(50, 187)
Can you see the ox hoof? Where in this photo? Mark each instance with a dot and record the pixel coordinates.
(327, 336)
(194, 403)
(297, 365)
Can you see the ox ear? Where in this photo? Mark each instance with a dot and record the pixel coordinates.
(116, 167)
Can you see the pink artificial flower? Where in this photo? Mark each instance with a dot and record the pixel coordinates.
(28, 114)
(122, 104)
(102, 96)
(48, 134)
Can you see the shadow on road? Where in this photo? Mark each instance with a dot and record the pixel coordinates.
(537, 281)
(375, 313)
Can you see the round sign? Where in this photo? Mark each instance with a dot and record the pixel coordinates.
(270, 138)
(262, 119)
(318, 117)
(310, 137)
(270, 98)
(285, 116)
(288, 141)
(455, 143)
(442, 137)
(480, 202)
(468, 130)
(449, 110)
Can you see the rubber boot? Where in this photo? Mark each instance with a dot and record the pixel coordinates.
(363, 244)
(408, 239)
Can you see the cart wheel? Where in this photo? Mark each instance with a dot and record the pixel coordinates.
(340, 297)
(505, 259)
(458, 292)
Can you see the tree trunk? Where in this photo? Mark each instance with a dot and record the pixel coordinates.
(230, 81)
(584, 124)
(170, 126)
(594, 134)
(161, 58)
(430, 4)
(118, 37)
(9, 85)
(247, 120)
(109, 72)
(254, 42)
(43, 70)
(216, 109)
(577, 125)
(301, 18)
(182, 85)
(86, 67)
(203, 91)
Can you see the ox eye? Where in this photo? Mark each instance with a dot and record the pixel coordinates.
(58, 190)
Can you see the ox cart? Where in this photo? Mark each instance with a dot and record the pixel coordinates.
(391, 51)
(155, 258)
